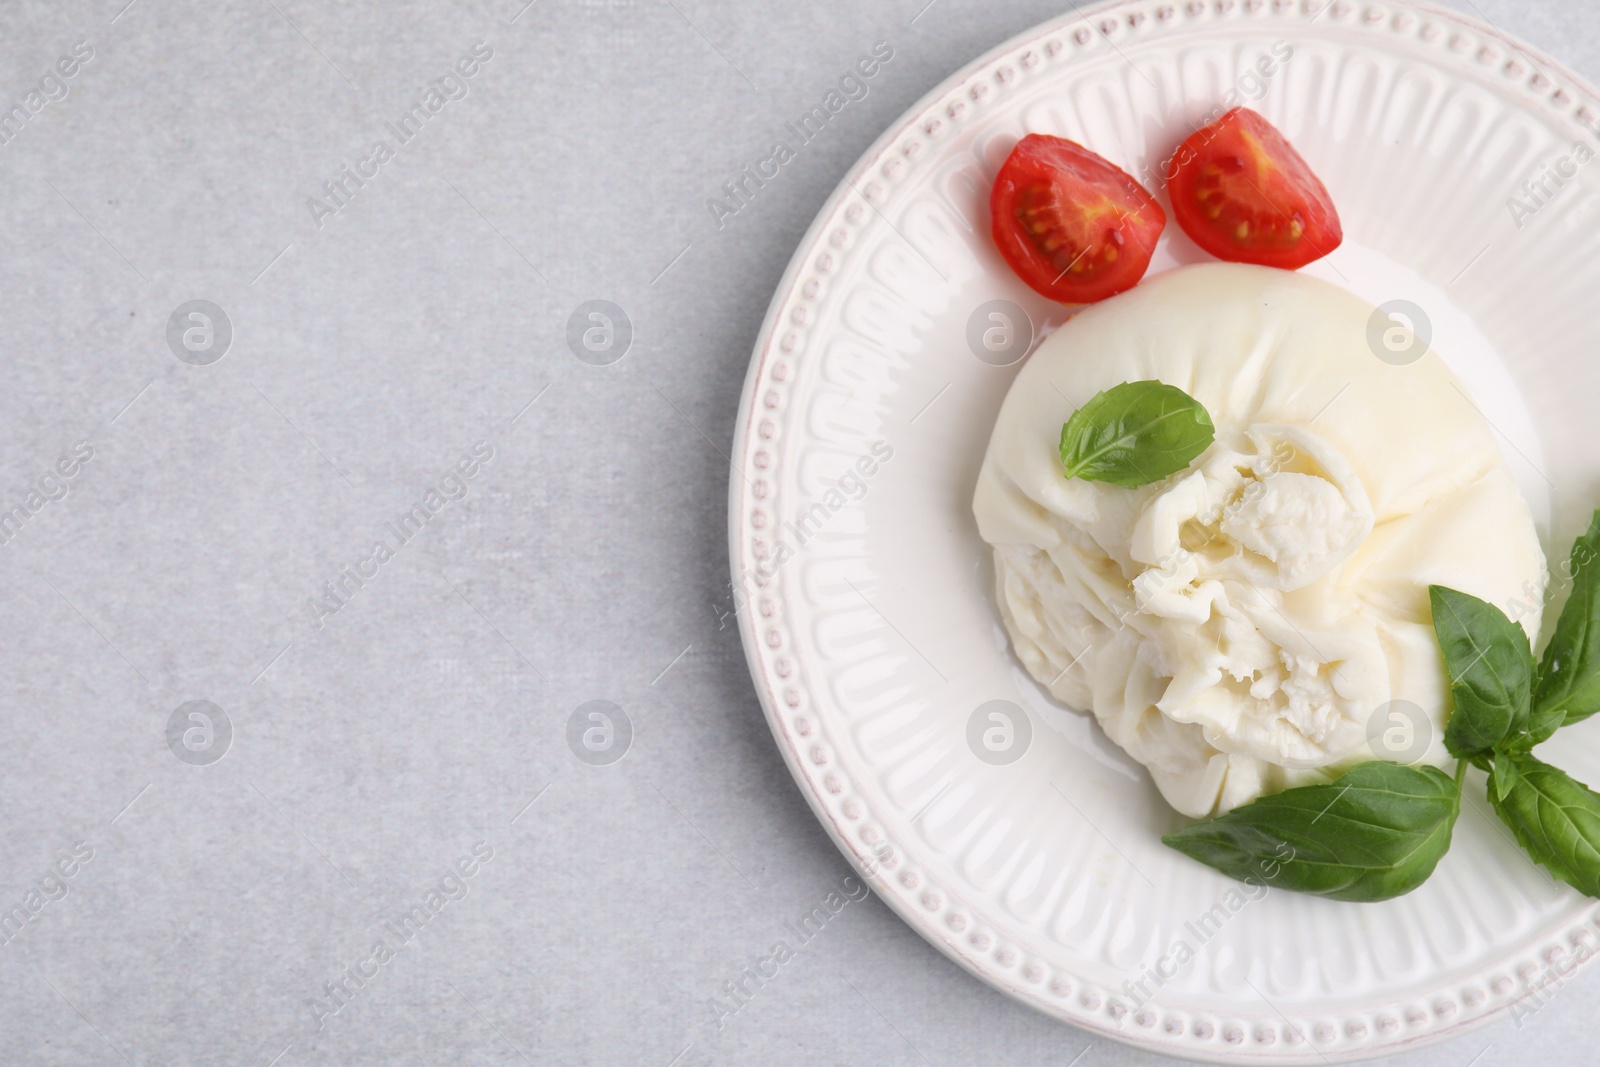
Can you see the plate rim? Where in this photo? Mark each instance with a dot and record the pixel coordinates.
(944, 102)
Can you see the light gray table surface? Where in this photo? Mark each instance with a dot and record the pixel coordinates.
(375, 344)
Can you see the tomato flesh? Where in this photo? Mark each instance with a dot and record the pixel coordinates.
(1241, 192)
(1070, 224)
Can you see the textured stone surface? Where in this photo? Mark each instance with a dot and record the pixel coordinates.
(381, 343)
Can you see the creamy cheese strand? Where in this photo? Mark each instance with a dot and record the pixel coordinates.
(1235, 626)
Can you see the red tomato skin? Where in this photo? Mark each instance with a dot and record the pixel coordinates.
(1120, 210)
(1278, 188)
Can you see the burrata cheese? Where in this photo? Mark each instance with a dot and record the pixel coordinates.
(1236, 626)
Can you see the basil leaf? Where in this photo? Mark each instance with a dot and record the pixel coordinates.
(1503, 777)
(1569, 675)
(1490, 667)
(1556, 821)
(1541, 724)
(1375, 832)
(1134, 434)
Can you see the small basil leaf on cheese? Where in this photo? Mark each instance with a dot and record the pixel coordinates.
(1134, 434)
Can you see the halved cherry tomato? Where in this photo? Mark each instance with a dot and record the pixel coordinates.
(1072, 225)
(1242, 193)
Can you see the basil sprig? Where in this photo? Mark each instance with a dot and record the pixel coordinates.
(1381, 828)
(1134, 434)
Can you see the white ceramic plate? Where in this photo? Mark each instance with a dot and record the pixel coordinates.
(870, 624)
